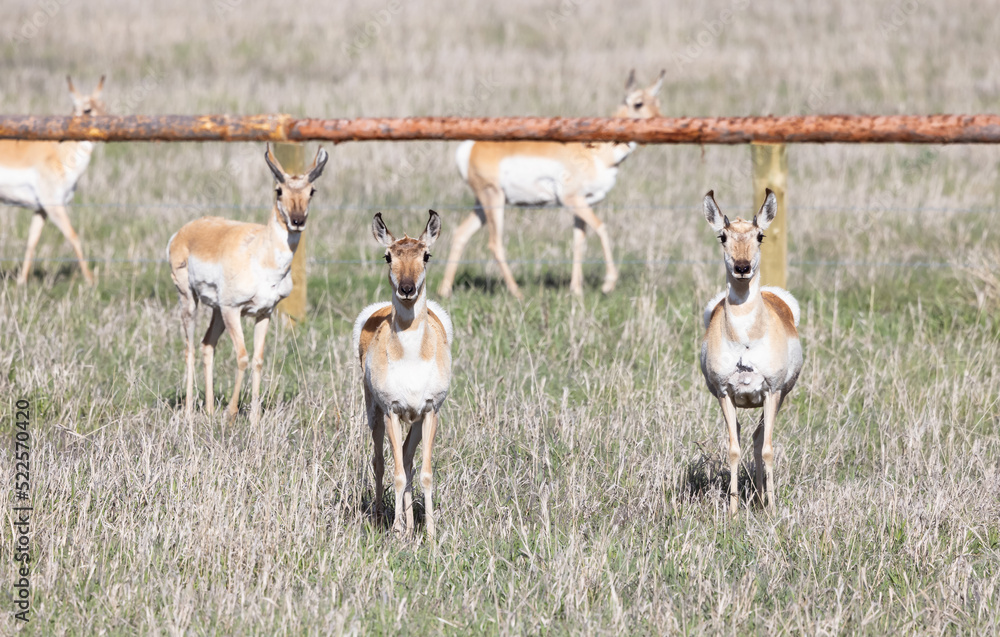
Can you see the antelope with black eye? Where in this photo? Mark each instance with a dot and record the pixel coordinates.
(405, 350)
(751, 355)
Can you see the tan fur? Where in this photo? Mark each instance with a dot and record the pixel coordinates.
(42, 175)
(379, 320)
(484, 161)
(239, 269)
(212, 238)
(378, 330)
(780, 310)
(750, 355)
(405, 353)
(53, 158)
(587, 171)
(433, 338)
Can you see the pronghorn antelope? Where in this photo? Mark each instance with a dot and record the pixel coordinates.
(405, 351)
(42, 176)
(751, 355)
(573, 175)
(239, 269)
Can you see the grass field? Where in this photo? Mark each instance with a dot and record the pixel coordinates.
(579, 461)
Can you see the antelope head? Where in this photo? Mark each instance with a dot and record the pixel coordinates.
(89, 105)
(741, 239)
(641, 103)
(407, 258)
(293, 192)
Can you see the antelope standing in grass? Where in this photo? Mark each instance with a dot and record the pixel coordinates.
(751, 355)
(239, 269)
(42, 176)
(405, 351)
(574, 175)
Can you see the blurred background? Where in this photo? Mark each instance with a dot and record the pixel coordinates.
(571, 58)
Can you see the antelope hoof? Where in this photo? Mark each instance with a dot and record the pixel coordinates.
(609, 282)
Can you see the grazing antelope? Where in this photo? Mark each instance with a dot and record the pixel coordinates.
(405, 351)
(751, 355)
(42, 175)
(239, 269)
(574, 175)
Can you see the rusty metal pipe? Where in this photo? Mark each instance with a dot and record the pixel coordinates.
(166, 128)
(914, 129)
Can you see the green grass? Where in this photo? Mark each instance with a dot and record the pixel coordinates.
(571, 462)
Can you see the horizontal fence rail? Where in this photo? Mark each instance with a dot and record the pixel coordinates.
(914, 129)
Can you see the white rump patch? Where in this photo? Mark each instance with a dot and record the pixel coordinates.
(359, 324)
(445, 320)
(787, 297)
(172, 237)
(462, 158)
(711, 306)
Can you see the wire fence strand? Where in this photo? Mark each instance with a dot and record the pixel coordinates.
(642, 262)
(440, 207)
(318, 261)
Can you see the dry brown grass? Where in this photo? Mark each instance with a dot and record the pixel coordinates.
(577, 461)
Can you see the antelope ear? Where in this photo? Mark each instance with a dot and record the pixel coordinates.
(272, 163)
(72, 89)
(655, 88)
(630, 82)
(318, 164)
(767, 211)
(432, 230)
(715, 218)
(100, 87)
(380, 232)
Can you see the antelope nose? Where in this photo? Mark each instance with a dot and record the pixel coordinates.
(406, 289)
(741, 268)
